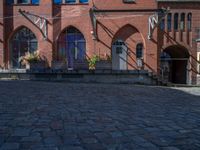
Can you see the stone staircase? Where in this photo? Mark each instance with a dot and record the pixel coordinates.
(158, 79)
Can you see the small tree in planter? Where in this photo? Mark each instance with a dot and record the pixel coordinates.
(92, 62)
(33, 61)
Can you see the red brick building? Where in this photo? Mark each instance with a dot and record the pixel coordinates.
(161, 34)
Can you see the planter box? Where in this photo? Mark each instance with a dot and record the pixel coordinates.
(103, 65)
(81, 65)
(37, 66)
(58, 65)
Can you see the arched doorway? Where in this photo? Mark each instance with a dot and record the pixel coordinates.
(119, 55)
(174, 64)
(129, 40)
(23, 41)
(71, 46)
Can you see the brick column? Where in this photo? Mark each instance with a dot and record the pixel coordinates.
(1, 32)
(46, 46)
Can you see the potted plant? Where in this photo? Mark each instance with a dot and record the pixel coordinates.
(33, 61)
(92, 62)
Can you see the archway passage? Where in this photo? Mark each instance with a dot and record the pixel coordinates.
(23, 41)
(174, 63)
(71, 46)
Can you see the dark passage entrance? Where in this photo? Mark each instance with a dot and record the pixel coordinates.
(174, 62)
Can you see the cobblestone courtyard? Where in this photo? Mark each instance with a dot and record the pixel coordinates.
(66, 116)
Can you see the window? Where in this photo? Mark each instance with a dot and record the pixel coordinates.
(162, 24)
(70, 1)
(182, 23)
(198, 34)
(71, 46)
(83, 1)
(57, 1)
(176, 21)
(199, 69)
(34, 2)
(169, 22)
(198, 58)
(139, 50)
(189, 22)
(22, 42)
(9, 2)
(23, 1)
(128, 1)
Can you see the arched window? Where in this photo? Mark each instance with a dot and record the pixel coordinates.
(70, 1)
(83, 1)
(139, 50)
(189, 22)
(22, 42)
(169, 22)
(10, 2)
(182, 24)
(23, 1)
(176, 21)
(162, 24)
(199, 63)
(71, 46)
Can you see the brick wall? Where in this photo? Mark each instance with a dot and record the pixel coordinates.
(109, 25)
(184, 38)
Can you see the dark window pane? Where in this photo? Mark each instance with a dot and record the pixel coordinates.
(84, 1)
(23, 1)
(162, 25)
(9, 2)
(35, 1)
(139, 50)
(182, 23)
(176, 21)
(70, 1)
(169, 22)
(57, 1)
(189, 19)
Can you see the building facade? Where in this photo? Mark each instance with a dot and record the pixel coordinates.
(160, 36)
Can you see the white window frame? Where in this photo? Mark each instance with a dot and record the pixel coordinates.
(198, 64)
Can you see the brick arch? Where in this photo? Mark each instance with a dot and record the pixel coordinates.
(59, 34)
(20, 27)
(65, 28)
(177, 51)
(124, 32)
(22, 53)
(180, 45)
(131, 36)
(72, 48)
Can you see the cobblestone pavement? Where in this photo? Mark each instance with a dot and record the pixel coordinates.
(66, 116)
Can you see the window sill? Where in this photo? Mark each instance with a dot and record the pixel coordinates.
(71, 4)
(198, 40)
(23, 5)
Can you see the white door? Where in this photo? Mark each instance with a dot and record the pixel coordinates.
(119, 55)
